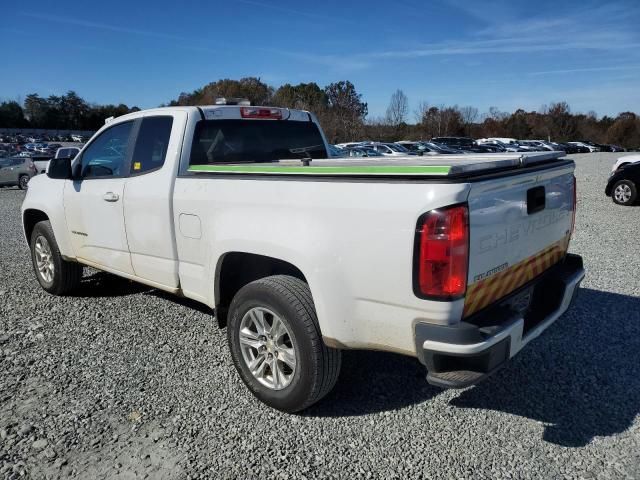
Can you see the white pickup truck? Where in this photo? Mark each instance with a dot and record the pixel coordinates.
(458, 261)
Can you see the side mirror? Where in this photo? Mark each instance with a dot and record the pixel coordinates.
(60, 169)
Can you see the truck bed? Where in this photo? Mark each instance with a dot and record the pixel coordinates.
(434, 166)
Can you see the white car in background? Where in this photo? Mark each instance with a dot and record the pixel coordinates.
(505, 140)
(622, 161)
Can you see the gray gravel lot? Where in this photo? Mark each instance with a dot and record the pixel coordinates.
(124, 381)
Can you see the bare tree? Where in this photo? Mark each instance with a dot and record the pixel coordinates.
(469, 116)
(420, 113)
(398, 108)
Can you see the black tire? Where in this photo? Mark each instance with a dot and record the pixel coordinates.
(66, 275)
(317, 366)
(630, 187)
(23, 182)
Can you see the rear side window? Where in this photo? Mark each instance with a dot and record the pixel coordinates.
(151, 144)
(251, 141)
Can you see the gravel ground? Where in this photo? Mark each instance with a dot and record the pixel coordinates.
(124, 381)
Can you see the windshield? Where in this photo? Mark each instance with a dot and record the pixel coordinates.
(251, 141)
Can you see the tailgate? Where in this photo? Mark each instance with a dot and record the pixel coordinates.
(519, 226)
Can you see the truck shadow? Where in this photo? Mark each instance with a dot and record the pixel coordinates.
(581, 378)
(99, 284)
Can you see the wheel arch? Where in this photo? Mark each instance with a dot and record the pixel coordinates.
(30, 217)
(236, 269)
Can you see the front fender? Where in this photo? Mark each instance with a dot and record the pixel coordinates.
(46, 195)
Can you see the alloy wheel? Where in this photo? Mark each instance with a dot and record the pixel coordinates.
(44, 259)
(267, 348)
(622, 193)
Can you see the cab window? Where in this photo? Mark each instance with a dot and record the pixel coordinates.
(151, 144)
(106, 156)
(253, 141)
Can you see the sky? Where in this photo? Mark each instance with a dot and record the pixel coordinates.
(507, 54)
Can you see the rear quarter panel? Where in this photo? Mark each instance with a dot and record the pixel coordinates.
(353, 241)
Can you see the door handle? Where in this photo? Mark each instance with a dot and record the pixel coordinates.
(111, 197)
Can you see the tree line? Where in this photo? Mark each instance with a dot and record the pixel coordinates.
(66, 112)
(343, 114)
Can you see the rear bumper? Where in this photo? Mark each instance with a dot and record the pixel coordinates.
(461, 355)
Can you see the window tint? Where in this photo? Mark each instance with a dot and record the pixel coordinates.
(248, 141)
(151, 144)
(107, 154)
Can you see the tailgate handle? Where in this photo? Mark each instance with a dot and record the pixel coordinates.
(536, 199)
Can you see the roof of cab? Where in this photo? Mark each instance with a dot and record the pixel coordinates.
(214, 112)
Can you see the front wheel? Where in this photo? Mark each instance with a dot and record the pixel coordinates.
(23, 182)
(276, 345)
(624, 193)
(55, 275)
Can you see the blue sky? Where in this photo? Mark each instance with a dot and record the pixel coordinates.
(507, 54)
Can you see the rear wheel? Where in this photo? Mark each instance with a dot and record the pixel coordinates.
(55, 275)
(23, 182)
(276, 344)
(624, 192)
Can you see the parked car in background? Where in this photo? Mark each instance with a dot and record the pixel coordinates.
(361, 152)
(77, 138)
(333, 150)
(596, 146)
(418, 148)
(591, 148)
(570, 148)
(624, 161)
(610, 148)
(16, 171)
(349, 144)
(443, 149)
(388, 149)
(505, 140)
(429, 148)
(623, 184)
(506, 147)
(534, 146)
(463, 143)
(41, 161)
(34, 145)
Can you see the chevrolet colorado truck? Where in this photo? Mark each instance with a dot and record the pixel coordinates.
(458, 260)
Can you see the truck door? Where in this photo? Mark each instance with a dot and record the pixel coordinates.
(94, 201)
(148, 208)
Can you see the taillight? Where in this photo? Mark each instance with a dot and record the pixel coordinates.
(256, 112)
(575, 205)
(441, 256)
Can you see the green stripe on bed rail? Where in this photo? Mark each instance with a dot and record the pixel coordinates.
(316, 170)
